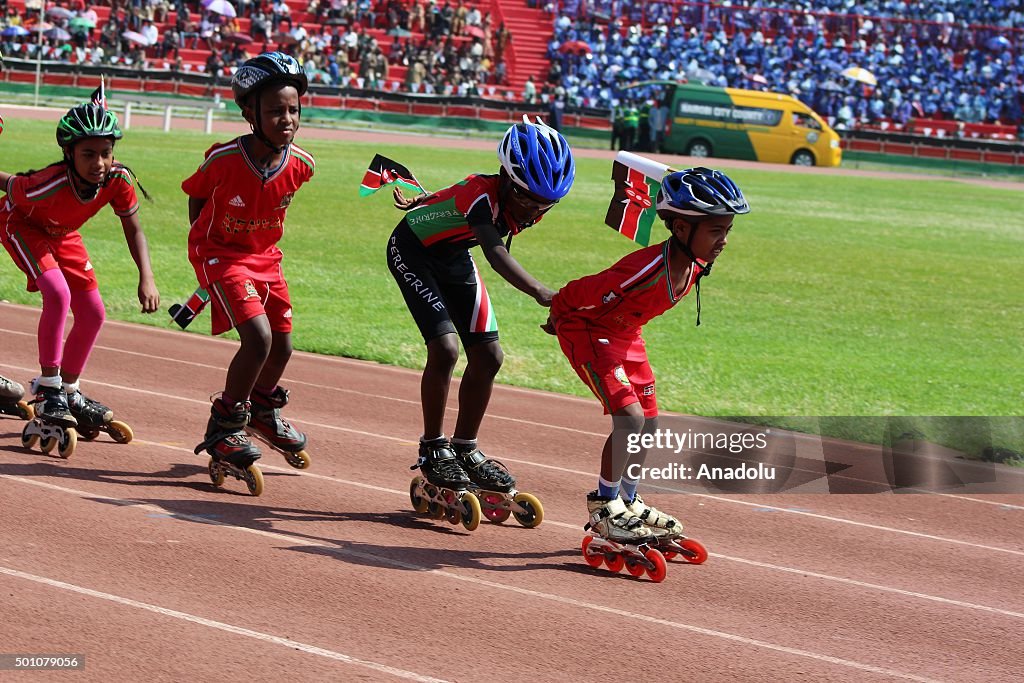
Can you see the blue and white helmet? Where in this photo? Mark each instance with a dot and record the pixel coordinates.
(699, 192)
(267, 69)
(537, 158)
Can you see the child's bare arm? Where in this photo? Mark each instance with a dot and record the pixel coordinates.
(149, 296)
(508, 267)
(195, 207)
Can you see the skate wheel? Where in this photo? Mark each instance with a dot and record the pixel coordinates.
(66, 446)
(615, 561)
(635, 568)
(593, 559)
(419, 503)
(25, 411)
(658, 572)
(299, 461)
(470, 511)
(453, 514)
(695, 552)
(120, 431)
(47, 444)
(28, 440)
(216, 473)
(88, 434)
(254, 480)
(494, 508)
(533, 511)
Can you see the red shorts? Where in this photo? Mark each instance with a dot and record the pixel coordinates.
(236, 299)
(618, 383)
(35, 252)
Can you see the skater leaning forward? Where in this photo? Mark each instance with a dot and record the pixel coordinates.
(598, 321)
(39, 226)
(428, 255)
(237, 203)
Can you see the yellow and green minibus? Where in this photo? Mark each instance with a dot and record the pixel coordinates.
(707, 121)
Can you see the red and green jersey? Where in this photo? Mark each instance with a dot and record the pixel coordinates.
(242, 220)
(612, 306)
(443, 220)
(46, 200)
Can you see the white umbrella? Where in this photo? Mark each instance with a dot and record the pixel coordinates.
(60, 12)
(136, 38)
(861, 74)
(222, 7)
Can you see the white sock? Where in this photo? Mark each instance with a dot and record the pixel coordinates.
(70, 388)
(54, 382)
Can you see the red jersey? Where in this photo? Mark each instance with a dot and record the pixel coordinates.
(47, 201)
(612, 306)
(443, 220)
(242, 220)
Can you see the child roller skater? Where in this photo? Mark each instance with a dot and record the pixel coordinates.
(428, 255)
(237, 203)
(39, 226)
(598, 320)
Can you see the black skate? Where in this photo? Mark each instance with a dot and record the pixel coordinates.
(441, 491)
(230, 451)
(11, 403)
(494, 486)
(267, 425)
(53, 425)
(94, 417)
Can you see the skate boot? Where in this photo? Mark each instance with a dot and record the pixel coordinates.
(621, 540)
(11, 403)
(230, 451)
(668, 532)
(267, 425)
(494, 486)
(660, 524)
(441, 491)
(53, 424)
(94, 417)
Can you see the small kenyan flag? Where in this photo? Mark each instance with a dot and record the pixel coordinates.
(384, 171)
(632, 210)
(183, 314)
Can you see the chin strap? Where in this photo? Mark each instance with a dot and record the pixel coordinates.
(705, 269)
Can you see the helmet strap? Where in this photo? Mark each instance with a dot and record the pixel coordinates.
(83, 188)
(686, 248)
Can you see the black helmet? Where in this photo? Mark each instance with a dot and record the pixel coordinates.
(87, 121)
(267, 69)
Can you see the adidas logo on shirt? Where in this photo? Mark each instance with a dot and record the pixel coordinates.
(237, 201)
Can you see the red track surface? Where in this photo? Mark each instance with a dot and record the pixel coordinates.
(127, 554)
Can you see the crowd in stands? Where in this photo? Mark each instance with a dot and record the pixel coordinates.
(438, 46)
(961, 71)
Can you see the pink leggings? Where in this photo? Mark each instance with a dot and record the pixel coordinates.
(89, 316)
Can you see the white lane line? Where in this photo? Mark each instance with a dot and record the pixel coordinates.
(764, 506)
(582, 604)
(576, 529)
(221, 626)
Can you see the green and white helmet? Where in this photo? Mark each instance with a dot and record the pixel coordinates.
(87, 121)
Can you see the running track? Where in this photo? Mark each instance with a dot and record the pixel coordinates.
(125, 553)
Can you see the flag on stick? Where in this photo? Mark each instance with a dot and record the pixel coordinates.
(99, 96)
(384, 171)
(631, 210)
(184, 313)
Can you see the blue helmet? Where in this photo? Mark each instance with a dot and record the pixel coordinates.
(537, 158)
(699, 192)
(267, 69)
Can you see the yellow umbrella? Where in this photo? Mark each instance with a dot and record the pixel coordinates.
(861, 74)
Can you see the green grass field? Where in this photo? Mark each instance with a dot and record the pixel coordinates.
(837, 296)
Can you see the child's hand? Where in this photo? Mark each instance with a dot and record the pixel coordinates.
(149, 297)
(544, 296)
(405, 203)
(549, 326)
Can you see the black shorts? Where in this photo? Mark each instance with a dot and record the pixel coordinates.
(444, 292)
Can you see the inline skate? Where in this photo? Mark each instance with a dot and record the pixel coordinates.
(494, 486)
(52, 425)
(230, 451)
(94, 417)
(267, 425)
(11, 403)
(620, 539)
(442, 492)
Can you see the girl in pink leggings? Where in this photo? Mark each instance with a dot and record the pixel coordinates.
(39, 223)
